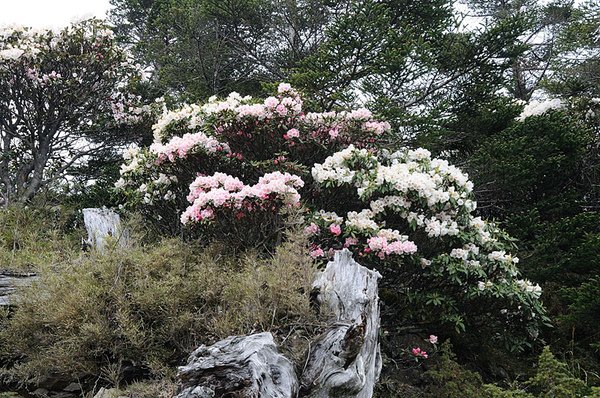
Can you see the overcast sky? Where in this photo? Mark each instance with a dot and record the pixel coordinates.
(47, 13)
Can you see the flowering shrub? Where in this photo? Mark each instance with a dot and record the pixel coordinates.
(63, 93)
(536, 108)
(231, 167)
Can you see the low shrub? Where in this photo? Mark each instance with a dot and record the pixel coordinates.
(34, 236)
(145, 308)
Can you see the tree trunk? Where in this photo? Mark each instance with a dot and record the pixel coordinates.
(344, 361)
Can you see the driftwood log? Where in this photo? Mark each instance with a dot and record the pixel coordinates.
(239, 366)
(11, 282)
(344, 361)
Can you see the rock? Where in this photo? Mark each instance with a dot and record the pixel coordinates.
(40, 392)
(73, 387)
(239, 366)
(345, 361)
(103, 223)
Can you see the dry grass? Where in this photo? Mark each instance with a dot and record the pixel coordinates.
(149, 306)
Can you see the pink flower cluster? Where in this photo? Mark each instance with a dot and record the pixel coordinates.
(419, 353)
(202, 184)
(288, 103)
(180, 147)
(377, 127)
(223, 191)
(382, 247)
(312, 229)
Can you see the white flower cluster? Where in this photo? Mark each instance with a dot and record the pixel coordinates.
(18, 41)
(429, 194)
(536, 108)
(194, 116)
(362, 222)
(413, 178)
(529, 287)
(335, 168)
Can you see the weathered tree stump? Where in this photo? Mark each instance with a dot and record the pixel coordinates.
(240, 366)
(103, 223)
(344, 361)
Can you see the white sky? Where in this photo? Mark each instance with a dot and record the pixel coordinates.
(49, 13)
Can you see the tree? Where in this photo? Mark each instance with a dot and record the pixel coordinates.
(577, 63)
(408, 60)
(60, 91)
(199, 48)
(544, 24)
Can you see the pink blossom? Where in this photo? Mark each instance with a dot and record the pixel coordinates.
(271, 102)
(284, 87)
(361, 113)
(318, 252)
(293, 133)
(377, 243)
(335, 229)
(350, 242)
(312, 229)
(281, 109)
(417, 352)
(433, 339)
(377, 127)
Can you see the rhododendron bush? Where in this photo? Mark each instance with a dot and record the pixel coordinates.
(62, 91)
(236, 167)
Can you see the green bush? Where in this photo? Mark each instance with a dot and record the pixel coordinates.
(448, 379)
(553, 379)
(148, 307)
(32, 237)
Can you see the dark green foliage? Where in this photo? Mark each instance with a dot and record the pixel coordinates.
(533, 166)
(583, 314)
(447, 379)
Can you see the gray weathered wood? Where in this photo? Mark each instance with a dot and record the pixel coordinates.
(103, 223)
(239, 366)
(345, 361)
(10, 282)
